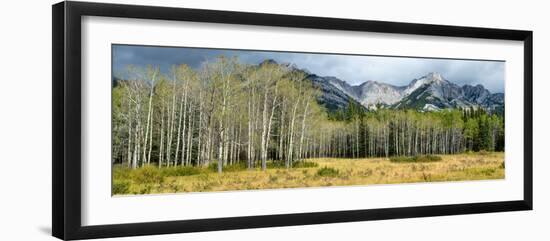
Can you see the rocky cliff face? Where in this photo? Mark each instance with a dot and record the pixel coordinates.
(431, 92)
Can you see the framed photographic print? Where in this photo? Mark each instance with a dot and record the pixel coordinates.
(169, 120)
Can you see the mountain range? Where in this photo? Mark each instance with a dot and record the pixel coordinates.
(431, 92)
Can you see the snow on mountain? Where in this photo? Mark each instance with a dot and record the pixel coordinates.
(429, 92)
(430, 107)
(343, 86)
(372, 93)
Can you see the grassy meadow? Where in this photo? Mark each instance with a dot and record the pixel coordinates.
(316, 172)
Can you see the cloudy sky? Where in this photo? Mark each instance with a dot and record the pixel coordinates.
(352, 69)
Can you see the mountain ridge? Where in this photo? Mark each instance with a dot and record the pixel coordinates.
(430, 92)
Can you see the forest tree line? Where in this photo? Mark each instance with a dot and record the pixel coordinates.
(226, 112)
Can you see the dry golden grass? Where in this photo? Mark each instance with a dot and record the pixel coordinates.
(364, 171)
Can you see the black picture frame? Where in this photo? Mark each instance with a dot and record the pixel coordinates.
(66, 119)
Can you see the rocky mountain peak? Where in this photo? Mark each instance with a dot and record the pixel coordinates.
(431, 92)
(434, 76)
(427, 93)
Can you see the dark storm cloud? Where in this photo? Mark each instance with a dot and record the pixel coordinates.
(352, 69)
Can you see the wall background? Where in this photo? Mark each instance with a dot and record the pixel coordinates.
(25, 122)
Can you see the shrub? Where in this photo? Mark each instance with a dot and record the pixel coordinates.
(145, 189)
(120, 187)
(328, 172)
(488, 171)
(180, 171)
(297, 164)
(174, 186)
(276, 164)
(422, 158)
(401, 159)
(427, 177)
(121, 172)
(304, 164)
(147, 175)
(273, 179)
(240, 166)
(213, 166)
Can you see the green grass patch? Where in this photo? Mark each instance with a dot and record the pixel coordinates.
(180, 171)
(328, 172)
(414, 159)
(297, 164)
(147, 175)
(304, 164)
(240, 166)
(275, 164)
(480, 171)
(120, 187)
(121, 172)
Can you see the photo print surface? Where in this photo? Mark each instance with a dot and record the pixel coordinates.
(201, 119)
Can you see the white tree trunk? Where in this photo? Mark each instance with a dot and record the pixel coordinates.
(300, 154)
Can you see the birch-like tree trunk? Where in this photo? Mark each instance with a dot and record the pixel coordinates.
(291, 135)
(304, 117)
(149, 116)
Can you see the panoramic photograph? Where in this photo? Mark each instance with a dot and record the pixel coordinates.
(209, 120)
